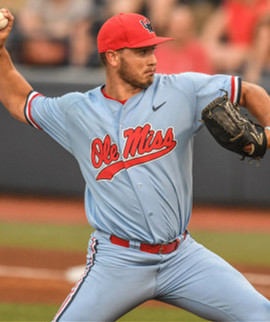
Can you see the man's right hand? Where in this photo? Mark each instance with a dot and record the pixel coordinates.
(14, 88)
(4, 33)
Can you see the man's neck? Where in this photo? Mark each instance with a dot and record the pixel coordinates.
(119, 89)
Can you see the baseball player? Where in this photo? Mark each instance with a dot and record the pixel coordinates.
(133, 139)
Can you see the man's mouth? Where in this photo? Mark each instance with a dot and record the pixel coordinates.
(150, 72)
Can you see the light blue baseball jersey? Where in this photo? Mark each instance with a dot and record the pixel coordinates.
(136, 158)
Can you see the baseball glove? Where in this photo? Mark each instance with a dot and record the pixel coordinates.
(232, 130)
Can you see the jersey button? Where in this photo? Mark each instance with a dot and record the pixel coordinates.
(139, 185)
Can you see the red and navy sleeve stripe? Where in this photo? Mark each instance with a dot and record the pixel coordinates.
(236, 89)
(27, 109)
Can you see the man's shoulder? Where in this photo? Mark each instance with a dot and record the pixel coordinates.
(77, 96)
(177, 81)
(167, 78)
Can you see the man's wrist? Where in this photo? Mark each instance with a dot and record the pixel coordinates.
(267, 134)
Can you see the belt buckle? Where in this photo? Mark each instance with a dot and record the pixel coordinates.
(176, 243)
(161, 248)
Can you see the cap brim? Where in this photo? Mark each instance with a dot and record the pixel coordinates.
(150, 42)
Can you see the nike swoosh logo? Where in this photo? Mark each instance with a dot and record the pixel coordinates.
(258, 138)
(155, 108)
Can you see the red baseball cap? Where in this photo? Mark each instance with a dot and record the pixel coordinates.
(127, 30)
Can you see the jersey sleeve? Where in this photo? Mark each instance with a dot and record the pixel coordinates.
(207, 88)
(48, 114)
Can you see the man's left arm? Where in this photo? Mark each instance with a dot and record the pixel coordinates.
(257, 102)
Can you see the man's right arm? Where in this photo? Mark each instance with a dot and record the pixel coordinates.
(14, 89)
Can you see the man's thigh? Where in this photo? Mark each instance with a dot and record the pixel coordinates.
(204, 284)
(116, 280)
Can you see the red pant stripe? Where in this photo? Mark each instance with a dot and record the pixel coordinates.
(76, 288)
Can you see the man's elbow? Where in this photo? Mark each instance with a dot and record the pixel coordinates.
(16, 110)
(248, 90)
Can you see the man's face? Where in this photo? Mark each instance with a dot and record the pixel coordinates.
(137, 66)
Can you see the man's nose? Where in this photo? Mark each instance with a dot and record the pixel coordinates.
(152, 59)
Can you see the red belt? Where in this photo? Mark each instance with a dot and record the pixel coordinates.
(154, 249)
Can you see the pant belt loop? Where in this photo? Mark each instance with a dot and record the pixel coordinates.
(134, 244)
(183, 236)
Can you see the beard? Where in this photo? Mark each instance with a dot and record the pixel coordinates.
(127, 75)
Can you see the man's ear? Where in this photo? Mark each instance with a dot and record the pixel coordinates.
(113, 58)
